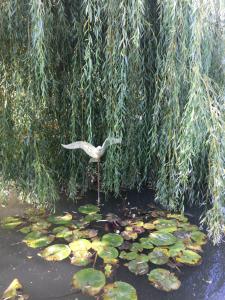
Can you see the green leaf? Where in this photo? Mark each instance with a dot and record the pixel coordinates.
(81, 258)
(159, 256)
(55, 252)
(11, 222)
(146, 243)
(164, 280)
(189, 257)
(61, 220)
(89, 281)
(80, 245)
(162, 239)
(12, 291)
(108, 254)
(138, 266)
(37, 239)
(119, 291)
(88, 209)
(128, 255)
(112, 239)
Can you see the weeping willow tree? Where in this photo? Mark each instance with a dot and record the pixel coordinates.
(148, 71)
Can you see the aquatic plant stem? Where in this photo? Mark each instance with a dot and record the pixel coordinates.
(98, 170)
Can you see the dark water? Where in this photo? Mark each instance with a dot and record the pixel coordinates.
(51, 280)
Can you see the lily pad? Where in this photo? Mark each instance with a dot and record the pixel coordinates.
(159, 256)
(108, 254)
(88, 209)
(149, 226)
(89, 281)
(176, 249)
(98, 246)
(11, 222)
(128, 255)
(112, 239)
(81, 258)
(26, 229)
(146, 243)
(189, 257)
(41, 225)
(92, 217)
(12, 291)
(199, 237)
(129, 235)
(164, 280)
(80, 245)
(119, 291)
(55, 252)
(36, 239)
(61, 220)
(138, 266)
(162, 239)
(179, 217)
(136, 247)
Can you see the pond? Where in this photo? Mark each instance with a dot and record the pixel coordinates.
(52, 280)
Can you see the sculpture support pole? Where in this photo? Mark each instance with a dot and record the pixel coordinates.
(98, 183)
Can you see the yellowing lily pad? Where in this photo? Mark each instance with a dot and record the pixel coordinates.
(119, 291)
(179, 217)
(81, 258)
(112, 239)
(37, 239)
(129, 234)
(189, 257)
(162, 239)
(55, 252)
(40, 225)
(149, 226)
(88, 209)
(26, 229)
(98, 245)
(164, 280)
(61, 220)
(89, 281)
(12, 291)
(11, 222)
(80, 245)
(159, 256)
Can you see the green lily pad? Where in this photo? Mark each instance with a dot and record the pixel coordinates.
(11, 222)
(182, 235)
(62, 232)
(199, 237)
(88, 209)
(176, 249)
(164, 222)
(108, 254)
(119, 291)
(159, 256)
(112, 239)
(162, 239)
(189, 257)
(89, 281)
(61, 220)
(36, 239)
(92, 217)
(55, 252)
(164, 280)
(81, 258)
(128, 255)
(80, 245)
(26, 229)
(40, 225)
(136, 247)
(146, 243)
(138, 266)
(188, 227)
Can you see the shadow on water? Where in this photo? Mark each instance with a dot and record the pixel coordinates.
(48, 280)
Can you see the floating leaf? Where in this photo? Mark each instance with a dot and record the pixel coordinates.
(61, 220)
(108, 270)
(11, 292)
(176, 249)
(164, 280)
(11, 222)
(108, 254)
(178, 217)
(129, 235)
(159, 256)
(136, 247)
(80, 245)
(146, 243)
(89, 233)
(88, 209)
(92, 217)
(98, 245)
(149, 226)
(138, 266)
(182, 235)
(199, 237)
(40, 225)
(162, 239)
(81, 258)
(89, 281)
(112, 239)
(189, 257)
(188, 227)
(128, 255)
(36, 239)
(26, 229)
(119, 291)
(55, 252)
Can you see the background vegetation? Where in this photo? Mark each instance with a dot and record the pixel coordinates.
(148, 71)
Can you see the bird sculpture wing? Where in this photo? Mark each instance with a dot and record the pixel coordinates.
(88, 148)
(110, 141)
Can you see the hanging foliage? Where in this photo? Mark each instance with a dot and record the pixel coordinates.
(147, 71)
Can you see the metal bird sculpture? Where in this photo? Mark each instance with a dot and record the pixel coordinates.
(94, 152)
